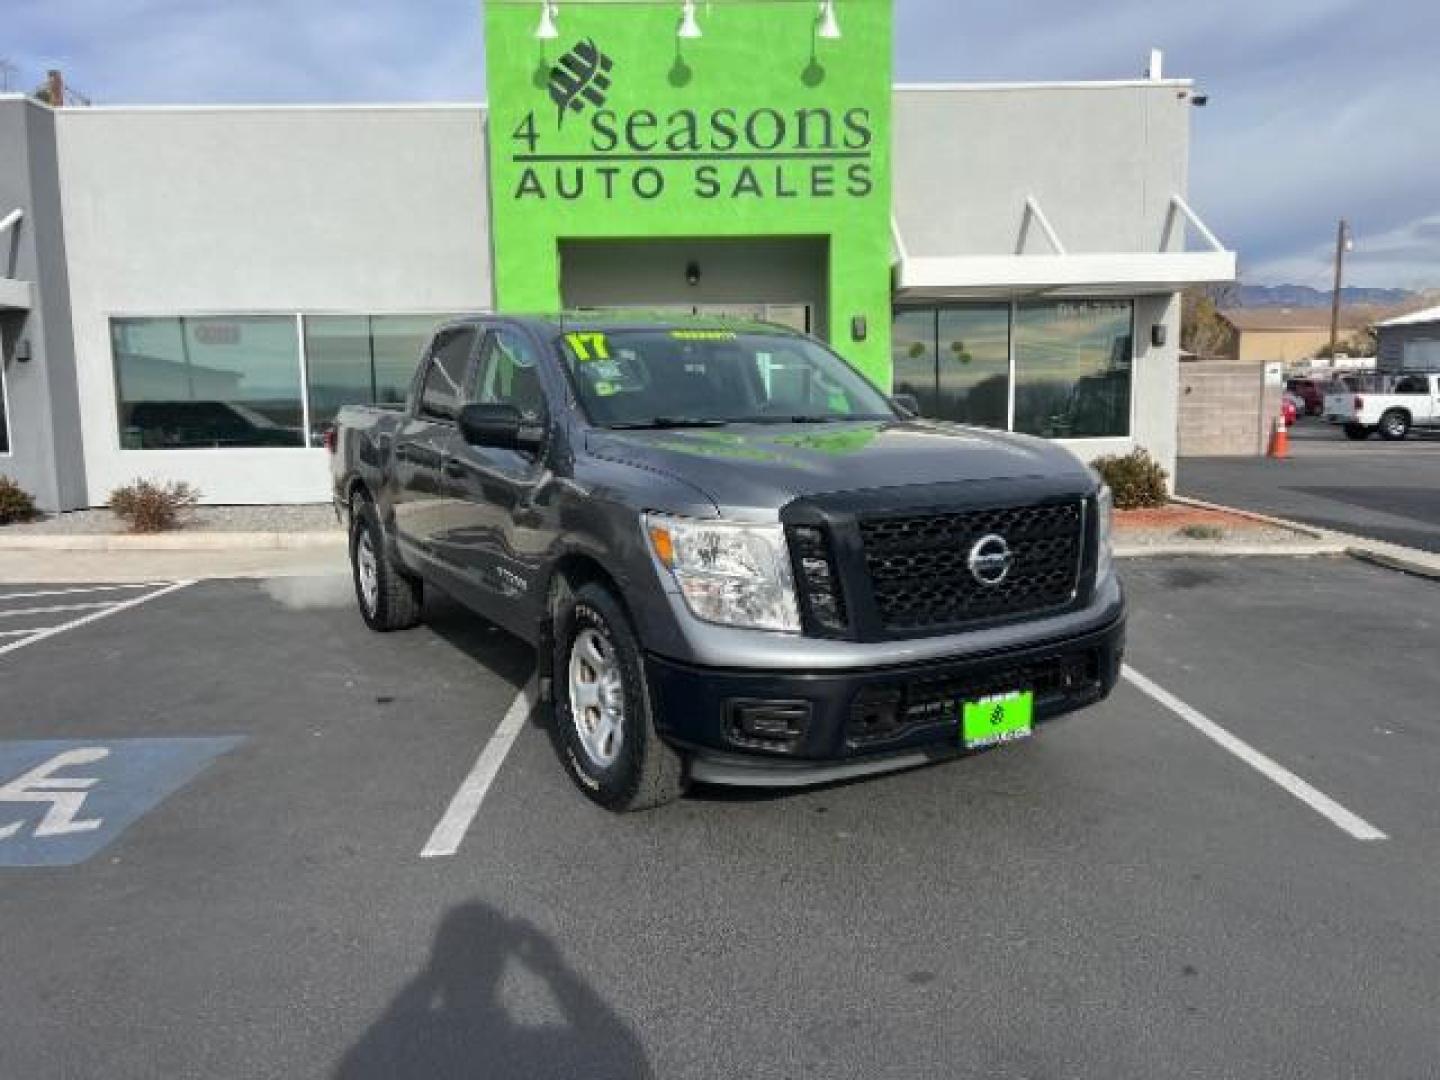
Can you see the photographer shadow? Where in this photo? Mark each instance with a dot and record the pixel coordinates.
(449, 1022)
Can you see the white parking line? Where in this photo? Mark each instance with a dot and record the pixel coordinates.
(81, 589)
(94, 616)
(455, 823)
(57, 608)
(1318, 801)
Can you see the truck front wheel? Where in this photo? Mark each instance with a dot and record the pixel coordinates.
(1357, 432)
(604, 721)
(389, 598)
(1394, 425)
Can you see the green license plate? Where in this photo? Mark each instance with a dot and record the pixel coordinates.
(999, 718)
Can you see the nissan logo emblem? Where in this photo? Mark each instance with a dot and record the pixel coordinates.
(990, 560)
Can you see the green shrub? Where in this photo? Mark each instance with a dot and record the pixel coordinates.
(1136, 478)
(16, 505)
(149, 508)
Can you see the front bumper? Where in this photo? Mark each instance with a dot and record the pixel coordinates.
(835, 724)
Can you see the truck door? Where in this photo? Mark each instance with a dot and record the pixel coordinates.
(424, 440)
(496, 534)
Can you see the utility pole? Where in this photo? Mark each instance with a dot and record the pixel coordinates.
(1343, 243)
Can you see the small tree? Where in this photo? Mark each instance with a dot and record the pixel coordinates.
(1203, 330)
(1360, 343)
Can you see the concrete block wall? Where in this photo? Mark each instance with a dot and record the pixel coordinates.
(1226, 410)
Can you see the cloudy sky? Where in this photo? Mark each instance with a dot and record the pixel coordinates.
(1318, 108)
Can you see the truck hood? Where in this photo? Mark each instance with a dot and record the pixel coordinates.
(765, 466)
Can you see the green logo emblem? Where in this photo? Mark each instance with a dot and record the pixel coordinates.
(579, 77)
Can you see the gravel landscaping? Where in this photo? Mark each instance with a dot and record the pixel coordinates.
(1178, 524)
(267, 519)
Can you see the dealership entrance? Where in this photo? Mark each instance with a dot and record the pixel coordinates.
(780, 280)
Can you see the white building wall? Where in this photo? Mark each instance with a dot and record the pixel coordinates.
(1102, 160)
(189, 211)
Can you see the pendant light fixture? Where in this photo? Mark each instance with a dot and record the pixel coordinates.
(547, 30)
(829, 23)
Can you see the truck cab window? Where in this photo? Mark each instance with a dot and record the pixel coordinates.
(508, 375)
(445, 377)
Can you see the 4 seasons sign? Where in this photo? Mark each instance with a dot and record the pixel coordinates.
(621, 131)
(811, 151)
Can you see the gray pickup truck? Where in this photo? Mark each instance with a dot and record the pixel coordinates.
(739, 561)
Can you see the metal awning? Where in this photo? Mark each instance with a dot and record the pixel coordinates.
(15, 294)
(1057, 272)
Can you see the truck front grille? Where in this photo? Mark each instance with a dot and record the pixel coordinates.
(920, 574)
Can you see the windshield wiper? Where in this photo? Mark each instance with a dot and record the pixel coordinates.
(660, 423)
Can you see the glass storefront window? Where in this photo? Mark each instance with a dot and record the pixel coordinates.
(974, 365)
(231, 381)
(4, 414)
(361, 360)
(1069, 376)
(338, 367)
(1072, 368)
(912, 357)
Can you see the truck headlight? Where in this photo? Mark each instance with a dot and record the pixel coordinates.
(730, 573)
(1105, 511)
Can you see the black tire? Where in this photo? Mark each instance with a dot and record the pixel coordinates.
(1394, 425)
(1357, 432)
(645, 772)
(397, 599)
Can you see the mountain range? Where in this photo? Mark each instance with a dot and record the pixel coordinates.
(1303, 296)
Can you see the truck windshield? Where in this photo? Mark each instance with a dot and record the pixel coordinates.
(679, 377)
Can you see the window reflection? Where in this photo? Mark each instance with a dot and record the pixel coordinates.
(974, 365)
(912, 356)
(1072, 368)
(361, 360)
(1072, 365)
(208, 382)
(4, 418)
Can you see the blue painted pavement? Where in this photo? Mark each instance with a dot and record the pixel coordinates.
(63, 800)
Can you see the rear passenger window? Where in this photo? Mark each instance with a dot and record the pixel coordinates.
(444, 387)
(1412, 385)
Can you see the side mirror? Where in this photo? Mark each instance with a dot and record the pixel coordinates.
(499, 425)
(906, 403)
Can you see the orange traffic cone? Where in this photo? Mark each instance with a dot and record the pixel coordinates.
(1279, 440)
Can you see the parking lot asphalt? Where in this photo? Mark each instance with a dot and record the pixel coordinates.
(1119, 897)
(1382, 490)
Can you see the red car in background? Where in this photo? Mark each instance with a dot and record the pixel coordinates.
(1310, 391)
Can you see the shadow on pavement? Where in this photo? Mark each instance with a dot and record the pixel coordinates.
(450, 1022)
(487, 644)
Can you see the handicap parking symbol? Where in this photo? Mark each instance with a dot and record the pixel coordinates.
(61, 801)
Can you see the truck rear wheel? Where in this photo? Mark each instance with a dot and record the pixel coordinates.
(604, 719)
(1394, 425)
(1357, 432)
(389, 598)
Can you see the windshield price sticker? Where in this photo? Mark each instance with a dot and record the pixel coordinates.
(588, 346)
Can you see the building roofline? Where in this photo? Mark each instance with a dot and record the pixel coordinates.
(1078, 84)
(481, 106)
(407, 106)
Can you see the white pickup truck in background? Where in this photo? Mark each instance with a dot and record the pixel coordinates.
(1410, 401)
